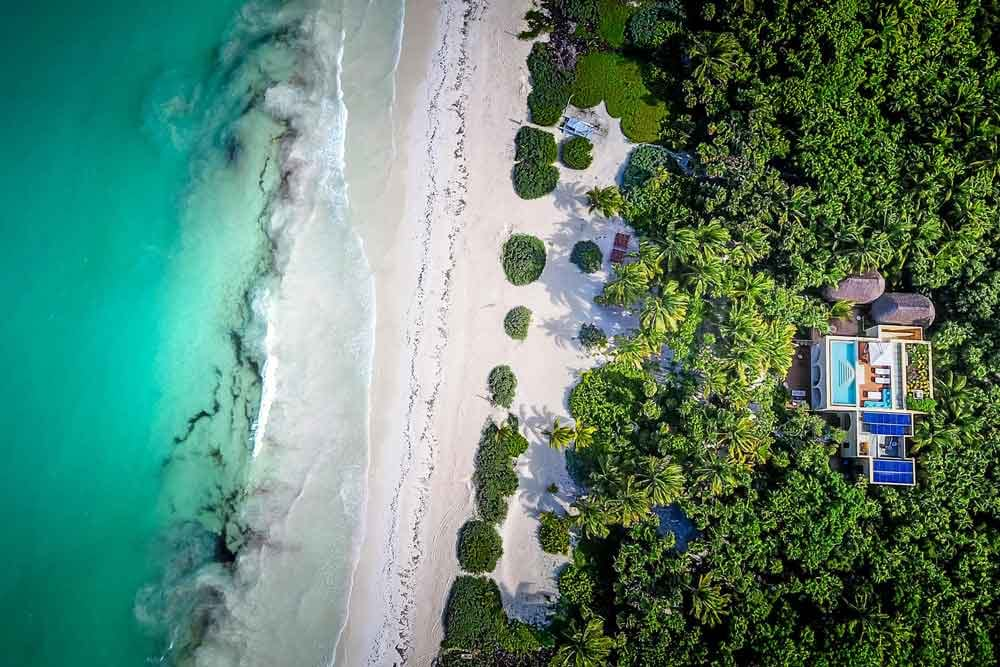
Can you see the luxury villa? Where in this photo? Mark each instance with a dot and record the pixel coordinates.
(875, 383)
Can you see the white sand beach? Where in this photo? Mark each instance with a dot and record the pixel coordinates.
(441, 299)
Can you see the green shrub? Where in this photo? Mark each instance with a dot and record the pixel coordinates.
(523, 259)
(533, 180)
(581, 11)
(494, 478)
(587, 256)
(643, 163)
(550, 86)
(553, 533)
(535, 145)
(612, 17)
(517, 321)
(474, 616)
(479, 546)
(503, 385)
(617, 81)
(576, 586)
(576, 153)
(927, 405)
(652, 25)
(608, 398)
(476, 627)
(592, 337)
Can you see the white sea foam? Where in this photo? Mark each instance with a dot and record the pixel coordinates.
(286, 600)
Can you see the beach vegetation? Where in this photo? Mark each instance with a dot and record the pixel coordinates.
(613, 16)
(616, 80)
(644, 162)
(517, 321)
(477, 630)
(560, 435)
(535, 145)
(607, 200)
(479, 546)
(587, 256)
(551, 85)
(494, 477)
(523, 259)
(577, 153)
(553, 533)
(592, 337)
(583, 644)
(503, 385)
(790, 194)
(552, 488)
(534, 179)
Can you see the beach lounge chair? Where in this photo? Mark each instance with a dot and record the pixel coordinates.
(621, 241)
(873, 395)
(617, 256)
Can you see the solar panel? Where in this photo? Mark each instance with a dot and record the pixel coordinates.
(887, 471)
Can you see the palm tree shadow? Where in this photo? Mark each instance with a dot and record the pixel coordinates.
(571, 197)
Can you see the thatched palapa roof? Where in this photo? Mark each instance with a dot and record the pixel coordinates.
(862, 288)
(903, 308)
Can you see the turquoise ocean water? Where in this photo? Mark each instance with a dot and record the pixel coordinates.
(133, 179)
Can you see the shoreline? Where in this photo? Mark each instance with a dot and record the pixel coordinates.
(411, 278)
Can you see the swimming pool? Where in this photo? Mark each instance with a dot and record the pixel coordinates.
(843, 373)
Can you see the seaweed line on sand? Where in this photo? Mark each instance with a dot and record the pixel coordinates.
(444, 203)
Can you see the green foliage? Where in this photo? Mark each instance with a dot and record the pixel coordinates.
(494, 478)
(829, 137)
(607, 397)
(653, 24)
(617, 81)
(538, 23)
(587, 256)
(479, 546)
(592, 337)
(581, 11)
(644, 162)
(552, 488)
(517, 321)
(921, 404)
(533, 179)
(612, 17)
(477, 630)
(577, 586)
(551, 85)
(535, 145)
(503, 384)
(553, 533)
(918, 370)
(576, 153)
(523, 259)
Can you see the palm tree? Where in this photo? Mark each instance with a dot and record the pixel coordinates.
(664, 313)
(660, 479)
(677, 245)
(585, 646)
(706, 276)
(631, 503)
(607, 200)
(630, 282)
(584, 436)
(559, 436)
(591, 518)
(708, 602)
(715, 56)
(633, 352)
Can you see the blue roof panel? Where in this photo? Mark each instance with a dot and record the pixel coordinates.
(888, 471)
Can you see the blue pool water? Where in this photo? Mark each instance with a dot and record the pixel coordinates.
(843, 365)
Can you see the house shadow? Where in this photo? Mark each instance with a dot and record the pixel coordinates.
(529, 604)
